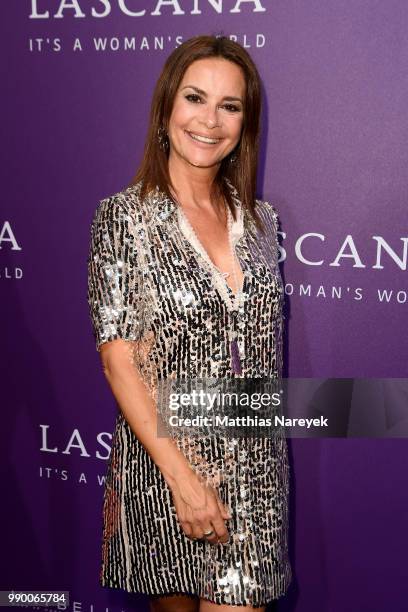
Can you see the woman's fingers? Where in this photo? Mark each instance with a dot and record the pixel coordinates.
(209, 517)
(210, 520)
(198, 533)
(220, 530)
(191, 527)
(223, 511)
(213, 538)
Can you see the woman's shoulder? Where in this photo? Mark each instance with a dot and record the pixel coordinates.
(267, 206)
(268, 212)
(127, 198)
(123, 206)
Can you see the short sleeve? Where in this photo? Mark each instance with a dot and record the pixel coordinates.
(114, 276)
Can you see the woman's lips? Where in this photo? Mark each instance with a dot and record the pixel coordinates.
(200, 142)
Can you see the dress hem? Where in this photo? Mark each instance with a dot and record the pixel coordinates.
(106, 584)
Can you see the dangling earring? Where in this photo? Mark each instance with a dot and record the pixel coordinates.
(233, 158)
(163, 138)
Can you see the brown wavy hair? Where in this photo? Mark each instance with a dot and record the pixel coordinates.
(153, 170)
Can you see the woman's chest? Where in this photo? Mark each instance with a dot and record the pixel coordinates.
(181, 285)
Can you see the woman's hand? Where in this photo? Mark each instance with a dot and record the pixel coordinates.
(199, 509)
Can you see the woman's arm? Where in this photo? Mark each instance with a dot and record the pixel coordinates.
(138, 408)
(115, 297)
(198, 506)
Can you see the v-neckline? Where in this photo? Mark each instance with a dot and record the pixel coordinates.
(233, 300)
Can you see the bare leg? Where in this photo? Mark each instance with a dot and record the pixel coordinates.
(174, 603)
(209, 606)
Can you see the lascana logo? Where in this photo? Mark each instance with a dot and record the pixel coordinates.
(103, 8)
(382, 252)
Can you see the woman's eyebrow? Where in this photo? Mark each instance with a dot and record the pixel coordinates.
(202, 92)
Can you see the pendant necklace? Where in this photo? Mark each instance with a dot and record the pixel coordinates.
(233, 334)
(232, 304)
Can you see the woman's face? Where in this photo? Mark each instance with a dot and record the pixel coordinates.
(208, 104)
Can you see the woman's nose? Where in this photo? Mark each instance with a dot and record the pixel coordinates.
(211, 118)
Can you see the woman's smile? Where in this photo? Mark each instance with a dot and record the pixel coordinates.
(202, 140)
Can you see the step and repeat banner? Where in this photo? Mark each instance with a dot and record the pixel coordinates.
(77, 84)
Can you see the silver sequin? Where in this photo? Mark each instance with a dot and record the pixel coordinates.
(149, 285)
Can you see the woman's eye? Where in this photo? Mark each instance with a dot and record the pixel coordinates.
(230, 107)
(192, 96)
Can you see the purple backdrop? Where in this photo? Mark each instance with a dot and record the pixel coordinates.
(334, 161)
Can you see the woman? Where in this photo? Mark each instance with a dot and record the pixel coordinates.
(184, 282)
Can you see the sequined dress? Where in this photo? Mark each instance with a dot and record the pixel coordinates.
(149, 281)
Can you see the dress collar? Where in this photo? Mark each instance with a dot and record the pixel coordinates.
(166, 206)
